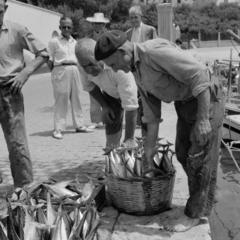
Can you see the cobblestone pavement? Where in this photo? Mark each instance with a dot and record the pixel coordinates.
(77, 153)
(50, 155)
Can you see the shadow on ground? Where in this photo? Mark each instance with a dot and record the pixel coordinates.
(85, 171)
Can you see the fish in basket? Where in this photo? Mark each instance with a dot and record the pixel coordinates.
(134, 191)
(51, 211)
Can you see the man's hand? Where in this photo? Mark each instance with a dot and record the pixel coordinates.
(17, 82)
(130, 144)
(107, 115)
(203, 131)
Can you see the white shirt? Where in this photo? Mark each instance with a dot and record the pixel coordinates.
(62, 50)
(116, 84)
(136, 34)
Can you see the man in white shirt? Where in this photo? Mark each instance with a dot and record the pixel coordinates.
(139, 33)
(114, 91)
(65, 79)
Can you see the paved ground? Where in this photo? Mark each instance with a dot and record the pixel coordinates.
(82, 153)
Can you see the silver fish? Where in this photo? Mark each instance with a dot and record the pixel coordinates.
(59, 191)
(51, 213)
(87, 190)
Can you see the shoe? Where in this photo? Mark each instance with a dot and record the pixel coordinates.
(57, 134)
(96, 125)
(84, 129)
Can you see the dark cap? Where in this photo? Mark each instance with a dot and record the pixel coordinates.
(108, 43)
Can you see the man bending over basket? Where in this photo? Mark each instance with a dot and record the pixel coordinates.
(164, 72)
(114, 91)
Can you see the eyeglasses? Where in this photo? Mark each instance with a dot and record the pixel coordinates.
(66, 27)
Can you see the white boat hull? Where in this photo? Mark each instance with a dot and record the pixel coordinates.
(231, 127)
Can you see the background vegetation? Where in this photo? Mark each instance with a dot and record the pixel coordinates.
(208, 19)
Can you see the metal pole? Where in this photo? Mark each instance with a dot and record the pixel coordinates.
(230, 78)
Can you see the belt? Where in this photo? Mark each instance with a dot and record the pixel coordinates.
(66, 64)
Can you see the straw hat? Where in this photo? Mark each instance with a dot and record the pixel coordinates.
(98, 18)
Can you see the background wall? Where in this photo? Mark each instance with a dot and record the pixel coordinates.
(39, 21)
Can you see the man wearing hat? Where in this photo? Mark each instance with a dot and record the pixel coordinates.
(98, 23)
(114, 91)
(164, 72)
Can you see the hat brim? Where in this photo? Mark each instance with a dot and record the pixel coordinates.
(103, 20)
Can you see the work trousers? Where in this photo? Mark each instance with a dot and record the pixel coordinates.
(199, 162)
(13, 125)
(139, 117)
(66, 86)
(114, 130)
(95, 111)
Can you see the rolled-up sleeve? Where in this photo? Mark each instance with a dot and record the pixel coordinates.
(87, 85)
(32, 44)
(127, 89)
(180, 65)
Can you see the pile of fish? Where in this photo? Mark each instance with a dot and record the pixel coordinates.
(45, 211)
(125, 163)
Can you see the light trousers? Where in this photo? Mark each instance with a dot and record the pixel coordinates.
(66, 86)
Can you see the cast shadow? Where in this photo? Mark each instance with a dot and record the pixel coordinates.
(83, 172)
(69, 130)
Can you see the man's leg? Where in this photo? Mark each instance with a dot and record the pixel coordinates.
(95, 111)
(182, 143)
(60, 81)
(74, 95)
(13, 125)
(139, 117)
(114, 131)
(201, 166)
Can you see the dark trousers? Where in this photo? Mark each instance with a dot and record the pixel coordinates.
(139, 117)
(13, 125)
(199, 162)
(114, 131)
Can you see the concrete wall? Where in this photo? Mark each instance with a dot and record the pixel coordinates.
(39, 21)
(207, 44)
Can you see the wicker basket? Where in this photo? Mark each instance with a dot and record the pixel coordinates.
(141, 196)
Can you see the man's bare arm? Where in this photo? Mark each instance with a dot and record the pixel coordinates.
(130, 120)
(107, 112)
